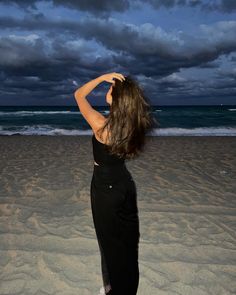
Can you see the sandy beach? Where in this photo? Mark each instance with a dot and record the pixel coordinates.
(187, 208)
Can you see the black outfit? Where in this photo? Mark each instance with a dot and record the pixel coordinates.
(115, 216)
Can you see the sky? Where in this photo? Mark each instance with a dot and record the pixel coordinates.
(181, 52)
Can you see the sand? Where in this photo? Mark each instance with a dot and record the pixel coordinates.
(187, 208)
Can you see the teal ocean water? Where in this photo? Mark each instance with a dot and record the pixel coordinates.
(66, 120)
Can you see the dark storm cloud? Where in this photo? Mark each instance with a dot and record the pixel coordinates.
(122, 5)
(101, 7)
(172, 3)
(22, 4)
(224, 6)
(228, 5)
(47, 65)
(44, 60)
(19, 51)
(106, 7)
(220, 5)
(36, 68)
(165, 53)
(94, 6)
(152, 51)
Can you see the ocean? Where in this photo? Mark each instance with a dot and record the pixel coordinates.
(67, 120)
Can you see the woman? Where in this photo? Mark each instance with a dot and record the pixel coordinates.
(118, 137)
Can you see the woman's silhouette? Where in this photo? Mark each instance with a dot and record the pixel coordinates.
(118, 137)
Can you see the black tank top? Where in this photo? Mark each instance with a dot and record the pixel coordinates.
(102, 156)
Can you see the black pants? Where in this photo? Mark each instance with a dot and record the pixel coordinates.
(115, 216)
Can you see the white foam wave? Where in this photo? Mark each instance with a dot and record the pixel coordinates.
(202, 131)
(32, 113)
(42, 130)
(231, 109)
(50, 130)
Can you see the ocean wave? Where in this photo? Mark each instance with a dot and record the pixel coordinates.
(33, 113)
(202, 131)
(40, 130)
(51, 130)
(231, 109)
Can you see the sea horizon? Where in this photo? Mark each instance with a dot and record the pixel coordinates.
(199, 120)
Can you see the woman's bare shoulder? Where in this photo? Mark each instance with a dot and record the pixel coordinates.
(101, 136)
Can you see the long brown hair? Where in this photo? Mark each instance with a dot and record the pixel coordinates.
(129, 119)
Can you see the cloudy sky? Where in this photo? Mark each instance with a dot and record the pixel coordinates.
(182, 52)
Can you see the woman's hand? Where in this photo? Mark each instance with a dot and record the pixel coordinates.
(109, 77)
(89, 86)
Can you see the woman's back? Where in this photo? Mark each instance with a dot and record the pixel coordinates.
(101, 155)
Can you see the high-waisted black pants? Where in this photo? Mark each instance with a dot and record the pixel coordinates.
(115, 216)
